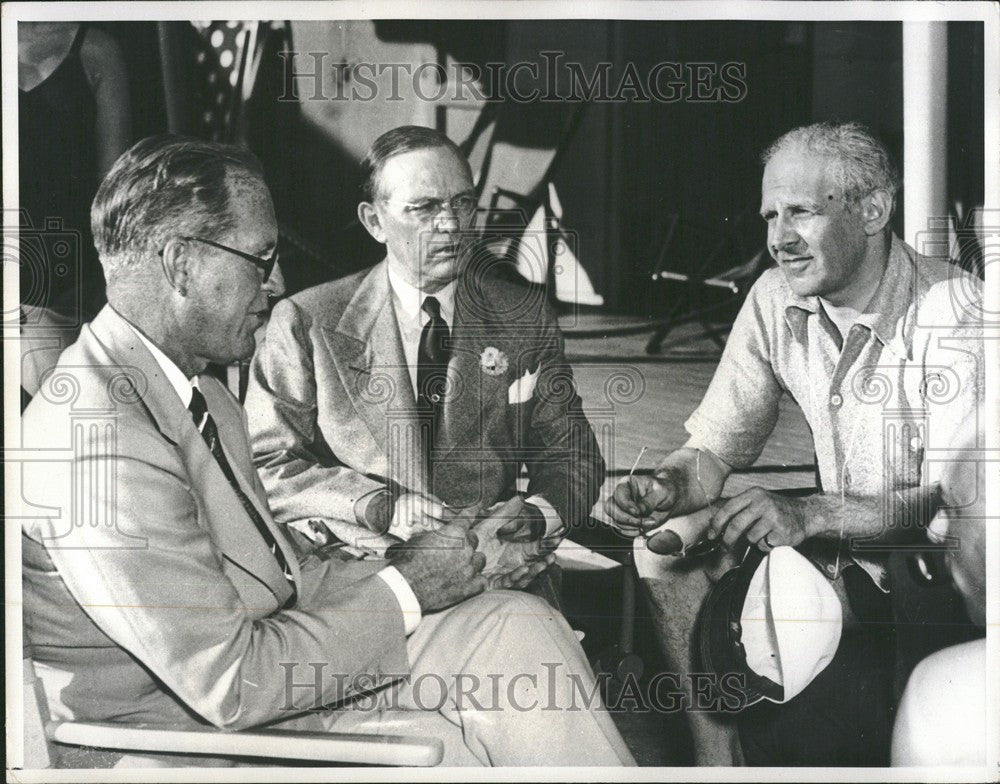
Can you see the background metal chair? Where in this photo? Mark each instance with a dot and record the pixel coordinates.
(522, 215)
(706, 287)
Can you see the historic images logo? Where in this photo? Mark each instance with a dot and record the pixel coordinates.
(310, 76)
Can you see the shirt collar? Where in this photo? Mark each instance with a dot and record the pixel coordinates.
(888, 307)
(886, 314)
(409, 299)
(181, 384)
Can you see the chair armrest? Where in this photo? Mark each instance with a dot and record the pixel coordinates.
(397, 750)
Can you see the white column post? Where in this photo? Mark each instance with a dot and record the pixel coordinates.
(925, 131)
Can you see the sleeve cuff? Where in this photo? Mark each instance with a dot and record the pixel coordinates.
(553, 523)
(374, 516)
(408, 601)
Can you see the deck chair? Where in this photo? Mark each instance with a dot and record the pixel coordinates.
(703, 285)
(522, 215)
(74, 744)
(967, 238)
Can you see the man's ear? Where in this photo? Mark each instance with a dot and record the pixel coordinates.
(176, 260)
(370, 219)
(876, 210)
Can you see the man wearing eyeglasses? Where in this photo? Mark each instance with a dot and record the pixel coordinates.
(158, 589)
(394, 397)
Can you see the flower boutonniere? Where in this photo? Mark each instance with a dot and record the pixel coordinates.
(493, 361)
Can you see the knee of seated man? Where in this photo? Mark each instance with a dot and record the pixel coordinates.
(503, 602)
(518, 612)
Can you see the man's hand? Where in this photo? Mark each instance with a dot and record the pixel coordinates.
(641, 503)
(441, 566)
(510, 537)
(526, 524)
(414, 512)
(767, 519)
(521, 577)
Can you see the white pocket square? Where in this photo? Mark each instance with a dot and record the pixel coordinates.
(522, 389)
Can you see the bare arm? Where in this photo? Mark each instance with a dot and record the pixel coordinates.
(900, 517)
(768, 519)
(105, 69)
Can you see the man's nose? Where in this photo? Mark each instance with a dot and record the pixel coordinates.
(784, 237)
(275, 284)
(447, 220)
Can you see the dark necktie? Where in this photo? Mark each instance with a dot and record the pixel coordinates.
(199, 411)
(432, 371)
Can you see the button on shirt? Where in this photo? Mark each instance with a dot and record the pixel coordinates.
(910, 370)
(408, 602)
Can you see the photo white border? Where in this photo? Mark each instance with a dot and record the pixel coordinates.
(667, 10)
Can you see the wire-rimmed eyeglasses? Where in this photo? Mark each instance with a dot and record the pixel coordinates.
(462, 205)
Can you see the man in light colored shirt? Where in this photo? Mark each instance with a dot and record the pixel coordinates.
(158, 588)
(387, 400)
(881, 350)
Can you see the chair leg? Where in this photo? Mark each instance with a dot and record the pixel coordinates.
(626, 638)
(655, 343)
(715, 334)
(630, 663)
(623, 663)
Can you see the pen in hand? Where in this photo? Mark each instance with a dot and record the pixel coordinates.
(635, 465)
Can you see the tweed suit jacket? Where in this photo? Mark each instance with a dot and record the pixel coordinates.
(332, 412)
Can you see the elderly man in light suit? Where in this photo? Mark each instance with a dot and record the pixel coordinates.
(157, 586)
(392, 397)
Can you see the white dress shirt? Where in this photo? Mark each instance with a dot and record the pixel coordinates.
(408, 602)
(407, 302)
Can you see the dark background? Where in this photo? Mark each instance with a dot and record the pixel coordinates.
(629, 164)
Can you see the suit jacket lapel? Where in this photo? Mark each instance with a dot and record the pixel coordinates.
(368, 353)
(246, 549)
(231, 529)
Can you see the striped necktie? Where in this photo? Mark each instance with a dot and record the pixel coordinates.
(206, 425)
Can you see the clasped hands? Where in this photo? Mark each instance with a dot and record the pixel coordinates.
(765, 519)
(450, 554)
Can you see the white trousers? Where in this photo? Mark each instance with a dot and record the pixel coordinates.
(502, 680)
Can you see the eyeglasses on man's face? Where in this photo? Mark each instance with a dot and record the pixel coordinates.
(267, 265)
(461, 205)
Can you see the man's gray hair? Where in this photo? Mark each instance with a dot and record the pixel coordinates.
(860, 162)
(161, 187)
